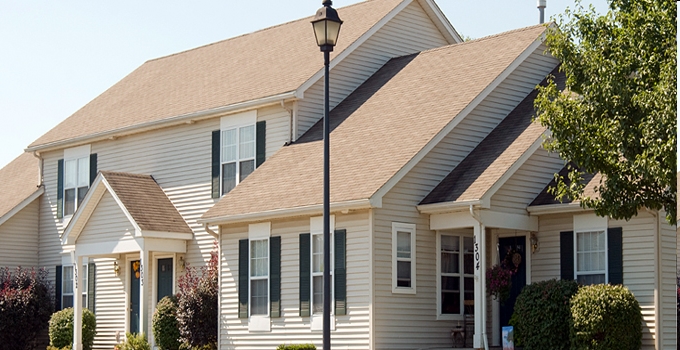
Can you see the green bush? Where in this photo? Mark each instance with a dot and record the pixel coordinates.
(50, 347)
(134, 341)
(296, 347)
(209, 346)
(61, 328)
(164, 324)
(606, 317)
(26, 303)
(541, 319)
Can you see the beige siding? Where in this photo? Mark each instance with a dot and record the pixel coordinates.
(19, 238)
(110, 303)
(668, 316)
(545, 262)
(408, 32)
(278, 127)
(527, 182)
(107, 223)
(352, 330)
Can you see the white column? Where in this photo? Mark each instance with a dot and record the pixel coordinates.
(77, 302)
(479, 280)
(144, 287)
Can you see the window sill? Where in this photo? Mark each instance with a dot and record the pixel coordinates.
(449, 317)
(317, 322)
(403, 290)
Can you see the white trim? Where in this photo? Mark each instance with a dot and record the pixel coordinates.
(559, 208)
(461, 275)
(591, 223)
(157, 124)
(411, 230)
(316, 229)
(77, 152)
(371, 280)
(238, 119)
(259, 231)
(316, 224)
(259, 323)
(457, 119)
(492, 219)
(443, 207)
(309, 210)
(22, 205)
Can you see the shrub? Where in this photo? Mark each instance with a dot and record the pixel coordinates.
(209, 346)
(61, 328)
(541, 316)
(26, 303)
(296, 347)
(164, 324)
(606, 317)
(134, 341)
(197, 305)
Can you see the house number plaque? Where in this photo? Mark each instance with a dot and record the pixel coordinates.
(75, 275)
(477, 256)
(141, 274)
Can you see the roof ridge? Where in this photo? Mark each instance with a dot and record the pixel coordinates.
(247, 34)
(122, 173)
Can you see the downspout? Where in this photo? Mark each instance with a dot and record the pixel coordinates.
(210, 232)
(291, 119)
(40, 167)
(482, 281)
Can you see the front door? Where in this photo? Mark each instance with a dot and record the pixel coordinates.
(164, 287)
(134, 296)
(514, 249)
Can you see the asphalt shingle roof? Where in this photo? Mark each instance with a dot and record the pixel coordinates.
(379, 127)
(265, 63)
(19, 180)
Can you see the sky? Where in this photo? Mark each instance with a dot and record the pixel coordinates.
(56, 56)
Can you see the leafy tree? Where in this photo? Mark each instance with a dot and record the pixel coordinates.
(618, 117)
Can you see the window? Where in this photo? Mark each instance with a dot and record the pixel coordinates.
(67, 286)
(403, 258)
(317, 272)
(591, 257)
(259, 277)
(456, 275)
(238, 155)
(76, 183)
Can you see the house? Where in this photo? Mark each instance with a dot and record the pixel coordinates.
(437, 173)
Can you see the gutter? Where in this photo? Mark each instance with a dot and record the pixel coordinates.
(556, 208)
(309, 210)
(444, 207)
(177, 120)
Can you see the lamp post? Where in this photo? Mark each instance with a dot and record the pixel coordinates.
(326, 25)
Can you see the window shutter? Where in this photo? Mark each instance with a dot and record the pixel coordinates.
(57, 289)
(615, 255)
(567, 255)
(305, 271)
(275, 275)
(243, 278)
(60, 188)
(215, 164)
(93, 167)
(340, 272)
(91, 275)
(260, 142)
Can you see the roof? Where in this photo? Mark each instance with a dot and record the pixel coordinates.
(262, 64)
(19, 179)
(547, 198)
(379, 128)
(494, 156)
(146, 202)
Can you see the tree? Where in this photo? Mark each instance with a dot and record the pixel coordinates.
(617, 116)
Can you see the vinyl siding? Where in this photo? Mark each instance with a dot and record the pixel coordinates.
(19, 237)
(527, 182)
(408, 32)
(545, 262)
(107, 223)
(351, 331)
(110, 303)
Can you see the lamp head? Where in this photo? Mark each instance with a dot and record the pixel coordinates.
(326, 25)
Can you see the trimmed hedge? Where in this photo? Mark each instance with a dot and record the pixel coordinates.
(296, 347)
(541, 318)
(164, 324)
(61, 328)
(605, 317)
(134, 341)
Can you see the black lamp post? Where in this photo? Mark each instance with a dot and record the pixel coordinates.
(326, 25)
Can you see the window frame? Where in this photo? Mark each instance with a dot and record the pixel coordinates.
(76, 154)
(252, 278)
(70, 278)
(259, 232)
(461, 274)
(577, 273)
(411, 230)
(237, 122)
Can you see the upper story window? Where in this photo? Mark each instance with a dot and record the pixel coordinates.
(403, 258)
(75, 173)
(237, 149)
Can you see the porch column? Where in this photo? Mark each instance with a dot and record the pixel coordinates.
(77, 302)
(144, 290)
(480, 289)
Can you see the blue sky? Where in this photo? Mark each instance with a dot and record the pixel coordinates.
(56, 56)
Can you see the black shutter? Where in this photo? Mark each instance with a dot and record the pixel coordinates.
(340, 273)
(91, 275)
(60, 188)
(260, 142)
(567, 255)
(305, 271)
(57, 289)
(615, 255)
(93, 167)
(215, 173)
(243, 278)
(275, 275)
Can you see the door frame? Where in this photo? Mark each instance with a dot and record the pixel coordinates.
(129, 258)
(154, 265)
(495, 305)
